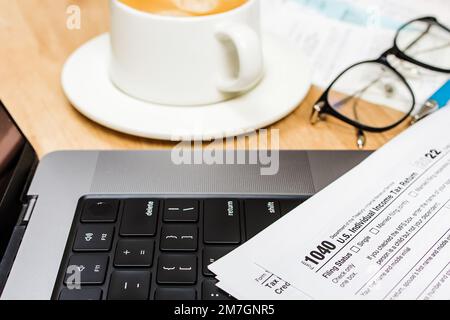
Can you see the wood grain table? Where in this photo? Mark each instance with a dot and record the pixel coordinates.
(34, 44)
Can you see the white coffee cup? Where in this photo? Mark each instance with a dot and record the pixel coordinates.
(186, 60)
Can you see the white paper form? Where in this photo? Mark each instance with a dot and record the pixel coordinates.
(264, 286)
(383, 13)
(332, 45)
(382, 231)
(402, 11)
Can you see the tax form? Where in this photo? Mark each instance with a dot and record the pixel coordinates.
(382, 231)
(328, 34)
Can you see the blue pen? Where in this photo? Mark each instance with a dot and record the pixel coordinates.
(437, 101)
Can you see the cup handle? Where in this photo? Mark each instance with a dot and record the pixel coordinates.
(250, 55)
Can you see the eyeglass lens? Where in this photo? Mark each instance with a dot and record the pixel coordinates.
(425, 42)
(371, 94)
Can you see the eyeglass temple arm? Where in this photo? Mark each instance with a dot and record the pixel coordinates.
(315, 115)
(357, 93)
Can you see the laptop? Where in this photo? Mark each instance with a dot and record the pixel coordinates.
(97, 225)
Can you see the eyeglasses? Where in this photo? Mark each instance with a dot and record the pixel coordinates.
(373, 95)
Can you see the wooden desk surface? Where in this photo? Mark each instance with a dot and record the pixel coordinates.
(34, 43)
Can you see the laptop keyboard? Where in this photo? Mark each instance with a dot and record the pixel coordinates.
(142, 248)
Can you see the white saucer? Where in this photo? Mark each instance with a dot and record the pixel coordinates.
(85, 81)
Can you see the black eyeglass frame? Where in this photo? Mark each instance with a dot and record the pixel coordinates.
(323, 107)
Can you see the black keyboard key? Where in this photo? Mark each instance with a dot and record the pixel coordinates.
(289, 205)
(211, 292)
(140, 217)
(177, 269)
(96, 210)
(179, 237)
(221, 222)
(211, 255)
(182, 210)
(83, 294)
(94, 237)
(86, 269)
(212, 225)
(181, 294)
(129, 285)
(259, 214)
(134, 253)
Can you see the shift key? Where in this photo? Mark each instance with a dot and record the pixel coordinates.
(221, 222)
(140, 217)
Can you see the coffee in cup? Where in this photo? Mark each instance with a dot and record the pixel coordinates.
(184, 7)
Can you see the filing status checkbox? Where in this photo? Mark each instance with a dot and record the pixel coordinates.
(355, 249)
(374, 231)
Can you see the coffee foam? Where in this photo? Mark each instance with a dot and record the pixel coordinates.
(197, 6)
